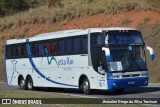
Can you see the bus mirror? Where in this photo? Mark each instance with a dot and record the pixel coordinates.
(107, 53)
(151, 51)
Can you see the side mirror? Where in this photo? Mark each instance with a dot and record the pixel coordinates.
(151, 51)
(107, 53)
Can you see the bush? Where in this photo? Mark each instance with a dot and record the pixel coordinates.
(12, 6)
(55, 3)
(154, 3)
(125, 21)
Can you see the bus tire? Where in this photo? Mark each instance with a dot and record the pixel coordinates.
(21, 83)
(86, 86)
(29, 83)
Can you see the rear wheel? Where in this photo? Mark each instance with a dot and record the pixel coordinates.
(22, 84)
(29, 83)
(86, 86)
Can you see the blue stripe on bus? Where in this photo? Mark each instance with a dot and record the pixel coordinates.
(5, 63)
(36, 69)
(109, 83)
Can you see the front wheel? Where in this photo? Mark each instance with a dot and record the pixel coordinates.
(29, 83)
(86, 86)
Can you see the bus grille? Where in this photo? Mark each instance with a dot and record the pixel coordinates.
(132, 75)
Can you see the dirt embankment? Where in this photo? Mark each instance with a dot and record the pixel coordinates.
(147, 21)
(127, 19)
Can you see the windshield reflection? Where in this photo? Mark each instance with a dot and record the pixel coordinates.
(130, 59)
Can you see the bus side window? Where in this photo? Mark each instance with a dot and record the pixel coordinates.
(47, 46)
(68, 45)
(35, 48)
(8, 52)
(85, 44)
(24, 52)
(41, 48)
(18, 50)
(14, 51)
(53, 46)
(61, 46)
(77, 44)
(99, 40)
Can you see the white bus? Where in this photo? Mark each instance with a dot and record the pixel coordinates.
(95, 58)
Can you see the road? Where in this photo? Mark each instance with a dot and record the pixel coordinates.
(151, 91)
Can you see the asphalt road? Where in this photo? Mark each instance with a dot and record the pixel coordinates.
(151, 91)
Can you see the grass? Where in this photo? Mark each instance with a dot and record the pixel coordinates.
(154, 3)
(2, 73)
(125, 21)
(14, 93)
(151, 37)
(145, 20)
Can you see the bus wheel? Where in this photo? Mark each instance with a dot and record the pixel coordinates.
(120, 91)
(22, 84)
(29, 83)
(86, 86)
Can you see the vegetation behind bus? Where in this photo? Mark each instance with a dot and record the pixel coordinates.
(61, 14)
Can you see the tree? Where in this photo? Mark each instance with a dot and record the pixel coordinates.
(17, 5)
(12, 6)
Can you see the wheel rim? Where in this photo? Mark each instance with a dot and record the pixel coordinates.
(30, 85)
(22, 83)
(85, 86)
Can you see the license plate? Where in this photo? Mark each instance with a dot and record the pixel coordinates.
(131, 82)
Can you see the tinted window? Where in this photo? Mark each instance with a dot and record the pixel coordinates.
(61, 46)
(53, 47)
(47, 47)
(41, 48)
(35, 48)
(77, 44)
(85, 44)
(8, 51)
(125, 37)
(23, 51)
(97, 39)
(18, 48)
(15, 50)
(68, 45)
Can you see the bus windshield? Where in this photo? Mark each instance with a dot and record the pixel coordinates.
(129, 58)
(127, 37)
(116, 37)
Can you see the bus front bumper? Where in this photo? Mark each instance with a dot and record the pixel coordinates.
(127, 83)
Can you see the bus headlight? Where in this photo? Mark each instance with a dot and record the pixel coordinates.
(144, 74)
(114, 76)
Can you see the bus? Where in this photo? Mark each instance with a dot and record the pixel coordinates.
(87, 59)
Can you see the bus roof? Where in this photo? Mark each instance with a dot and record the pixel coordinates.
(66, 33)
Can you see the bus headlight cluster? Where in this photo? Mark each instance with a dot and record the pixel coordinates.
(144, 74)
(114, 77)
